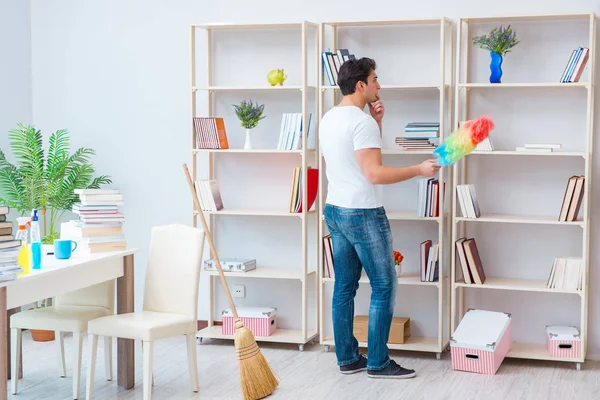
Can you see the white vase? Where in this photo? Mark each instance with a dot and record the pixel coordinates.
(398, 269)
(248, 143)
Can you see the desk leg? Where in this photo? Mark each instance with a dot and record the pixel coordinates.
(3, 342)
(9, 372)
(125, 347)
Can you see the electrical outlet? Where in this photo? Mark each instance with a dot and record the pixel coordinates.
(239, 291)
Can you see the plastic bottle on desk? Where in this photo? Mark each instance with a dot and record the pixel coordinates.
(24, 259)
(36, 241)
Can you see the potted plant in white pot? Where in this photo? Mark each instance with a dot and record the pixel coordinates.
(249, 115)
(45, 183)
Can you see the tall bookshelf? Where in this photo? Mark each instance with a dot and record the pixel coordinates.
(532, 78)
(252, 82)
(436, 86)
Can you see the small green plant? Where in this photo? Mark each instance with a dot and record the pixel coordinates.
(500, 40)
(45, 183)
(249, 114)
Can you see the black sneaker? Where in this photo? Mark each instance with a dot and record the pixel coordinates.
(360, 365)
(392, 371)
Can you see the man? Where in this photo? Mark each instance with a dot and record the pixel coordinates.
(351, 143)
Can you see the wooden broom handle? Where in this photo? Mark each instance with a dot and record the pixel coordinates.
(210, 242)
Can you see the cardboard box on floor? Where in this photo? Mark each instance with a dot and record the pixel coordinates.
(399, 332)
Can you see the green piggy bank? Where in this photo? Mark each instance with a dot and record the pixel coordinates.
(276, 77)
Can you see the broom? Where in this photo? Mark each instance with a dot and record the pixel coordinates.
(256, 376)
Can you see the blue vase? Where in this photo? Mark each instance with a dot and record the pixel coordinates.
(495, 68)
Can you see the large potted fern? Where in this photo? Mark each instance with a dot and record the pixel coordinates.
(45, 183)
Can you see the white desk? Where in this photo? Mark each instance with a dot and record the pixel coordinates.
(61, 276)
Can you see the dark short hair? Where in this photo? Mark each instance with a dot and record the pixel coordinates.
(353, 71)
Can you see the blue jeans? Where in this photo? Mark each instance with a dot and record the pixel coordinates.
(362, 238)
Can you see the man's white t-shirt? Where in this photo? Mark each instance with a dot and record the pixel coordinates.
(342, 131)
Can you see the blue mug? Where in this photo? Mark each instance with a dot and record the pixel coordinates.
(63, 248)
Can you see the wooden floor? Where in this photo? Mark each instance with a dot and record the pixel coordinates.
(311, 374)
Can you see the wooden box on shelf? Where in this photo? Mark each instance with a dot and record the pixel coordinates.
(481, 341)
(563, 341)
(399, 331)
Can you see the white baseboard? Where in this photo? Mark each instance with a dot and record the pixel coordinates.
(593, 357)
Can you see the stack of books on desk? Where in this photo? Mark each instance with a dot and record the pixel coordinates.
(9, 248)
(100, 224)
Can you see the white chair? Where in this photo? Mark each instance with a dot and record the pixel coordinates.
(71, 313)
(170, 302)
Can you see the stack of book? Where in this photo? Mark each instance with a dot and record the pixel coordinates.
(539, 147)
(566, 273)
(429, 261)
(467, 199)
(100, 224)
(428, 197)
(419, 136)
(328, 271)
(572, 199)
(290, 135)
(210, 133)
(9, 248)
(297, 186)
(332, 61)
(209, 195)
(469, 260)
(575, 66)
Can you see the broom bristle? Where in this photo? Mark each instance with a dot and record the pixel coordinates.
(256, 376)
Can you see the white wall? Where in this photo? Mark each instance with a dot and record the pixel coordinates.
(117, 76)
(15, 68)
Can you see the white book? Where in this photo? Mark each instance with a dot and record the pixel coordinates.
(543, 145)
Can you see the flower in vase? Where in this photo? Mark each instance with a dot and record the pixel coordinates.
(500, 40)
(249, 114)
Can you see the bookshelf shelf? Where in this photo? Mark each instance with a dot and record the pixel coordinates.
(265, 273)
(280, 335)
(258, 213)
(438, 84)
(403, 279)
(465, 103)
(527, 285)
(208, 92)
(413, 343)
(255, 88)
(396, 87)
(529, 153)
(520, 219)
(525, 85)
(536, 351)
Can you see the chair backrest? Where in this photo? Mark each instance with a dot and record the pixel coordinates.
(99, 295)
(173, 272)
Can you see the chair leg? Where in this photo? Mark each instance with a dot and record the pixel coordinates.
(15, 356)
(148, 348)
(108, 367)
(60, 350)
(78, 347)
(93, 346)
(192, 360)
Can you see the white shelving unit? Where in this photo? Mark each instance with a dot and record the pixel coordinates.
(305, 271)
(442, 83)
(544, 89)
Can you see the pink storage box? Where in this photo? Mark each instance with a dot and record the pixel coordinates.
(262, 321)
(563, 341)
(481, 341)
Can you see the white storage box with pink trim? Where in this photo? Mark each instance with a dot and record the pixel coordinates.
(481, 341)
(262, 321)
(563, 341)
